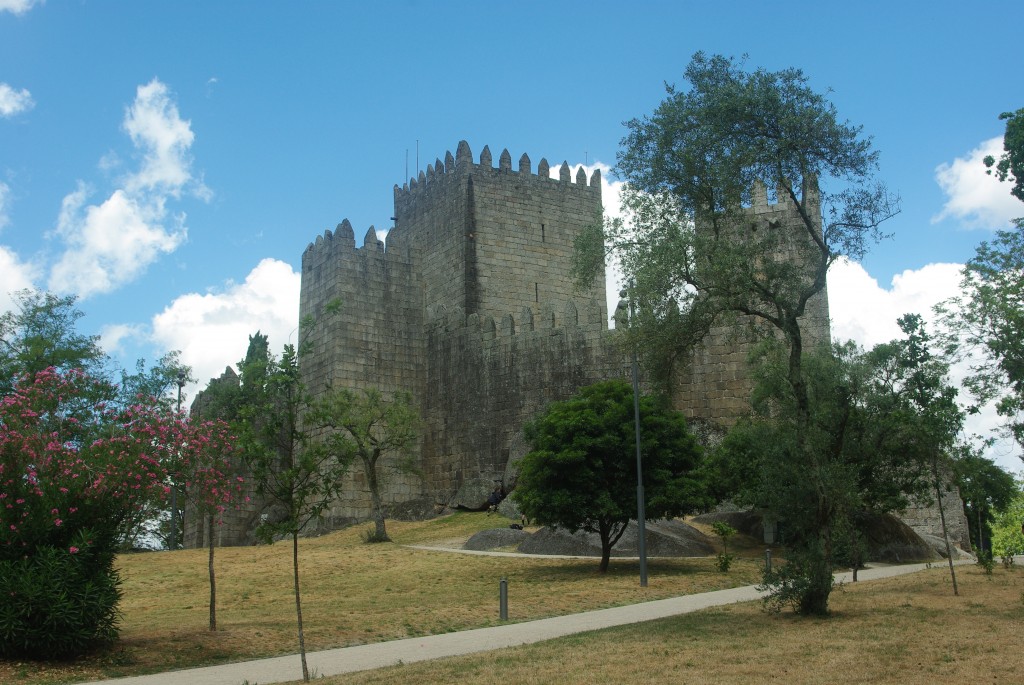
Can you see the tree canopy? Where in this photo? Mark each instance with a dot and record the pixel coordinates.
(41, 333)
(986, 323)
(368, 425)
(581, 471)
(692, 166)
(879, 421)
(1010, 166)
(697, 259)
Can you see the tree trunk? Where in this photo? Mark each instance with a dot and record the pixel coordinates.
(606, 552)
(814, 601)
(945, 533)
(298, 604)
(981, 537)
(379, 531)
(213, 579)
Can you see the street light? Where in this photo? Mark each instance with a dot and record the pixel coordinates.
(641, 517)
(174, 485)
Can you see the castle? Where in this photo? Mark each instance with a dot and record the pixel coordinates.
(472, 309)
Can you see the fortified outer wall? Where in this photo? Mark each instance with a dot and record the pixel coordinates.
(472, 310)
(493, 377)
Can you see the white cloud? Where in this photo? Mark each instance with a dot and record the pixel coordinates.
(212, 330)
(866, 312)
(14, 101)
(975, 198)
(18, 6)
(14, 275)
(112, 337)
(163, 138)
(114, 242)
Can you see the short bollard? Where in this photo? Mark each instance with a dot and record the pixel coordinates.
(768, 560)
(503, 600)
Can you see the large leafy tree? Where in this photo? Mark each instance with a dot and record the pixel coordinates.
(880, 427)
(987, 324)
(986, 489)
(689, 168)
(986, 321)
(1008, 528)
(581, 471)
(370, 426)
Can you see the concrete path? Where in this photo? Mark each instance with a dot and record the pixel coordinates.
(365, 657)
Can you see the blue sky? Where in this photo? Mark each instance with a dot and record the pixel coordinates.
(169, 162)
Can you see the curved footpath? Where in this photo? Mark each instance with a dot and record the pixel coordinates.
(365, 657)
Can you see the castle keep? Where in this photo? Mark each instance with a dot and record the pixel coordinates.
(471, 308)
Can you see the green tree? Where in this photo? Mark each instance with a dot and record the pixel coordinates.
(1008, 528)
(689, 168)
(985, 324)
(581, 471)
(295, 473)
(159, 380)
(879, 421)
(1010, 166)
(985, 489)
(41, 333)
(369, 426)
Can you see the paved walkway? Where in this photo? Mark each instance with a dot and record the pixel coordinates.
(364, 657)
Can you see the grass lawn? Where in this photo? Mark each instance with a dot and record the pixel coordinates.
(906, 630)
(353, 593)
(909, 629)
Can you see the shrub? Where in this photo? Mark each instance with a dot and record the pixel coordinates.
(59, 602)
(72, 472)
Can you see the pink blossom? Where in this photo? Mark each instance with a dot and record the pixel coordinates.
(73, 549)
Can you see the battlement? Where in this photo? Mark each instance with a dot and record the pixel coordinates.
(340, 244)
(462, 162)
(809, 195)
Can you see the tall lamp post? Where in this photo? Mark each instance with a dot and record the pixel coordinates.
(173, 544)
(641, 516)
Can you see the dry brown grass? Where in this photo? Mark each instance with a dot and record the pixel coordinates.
(906, 630)
(353, 593)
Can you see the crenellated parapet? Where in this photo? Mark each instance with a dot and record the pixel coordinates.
(340, 244)
(462, 163)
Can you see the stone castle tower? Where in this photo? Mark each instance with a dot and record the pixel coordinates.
(471, 308)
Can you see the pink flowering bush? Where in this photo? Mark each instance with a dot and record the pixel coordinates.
(73, 474)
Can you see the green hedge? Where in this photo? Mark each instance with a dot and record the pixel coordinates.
(58, 602)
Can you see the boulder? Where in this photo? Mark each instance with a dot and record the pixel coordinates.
(473, 495)
(666, 538)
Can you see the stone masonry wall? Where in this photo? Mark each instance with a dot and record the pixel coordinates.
(472, 310)
(718, 385)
